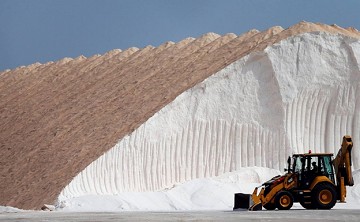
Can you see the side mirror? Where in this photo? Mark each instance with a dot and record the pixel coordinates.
(289, 164)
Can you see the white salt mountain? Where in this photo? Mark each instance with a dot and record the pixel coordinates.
(298, 94)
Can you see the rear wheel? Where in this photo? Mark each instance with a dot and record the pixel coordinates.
(324, 196)
(284, 200)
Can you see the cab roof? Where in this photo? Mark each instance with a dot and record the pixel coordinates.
(313, 154)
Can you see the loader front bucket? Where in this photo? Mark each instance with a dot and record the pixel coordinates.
(247, 201)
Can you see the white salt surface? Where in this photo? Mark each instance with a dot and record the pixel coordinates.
(296, 95)
(215, 193)
(6, 209)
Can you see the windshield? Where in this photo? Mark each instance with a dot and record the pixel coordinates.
(297, 165)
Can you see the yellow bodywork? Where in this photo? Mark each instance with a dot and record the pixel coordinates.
(289, 182)
(320, 179)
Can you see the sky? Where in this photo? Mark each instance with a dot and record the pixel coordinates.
(49, 30)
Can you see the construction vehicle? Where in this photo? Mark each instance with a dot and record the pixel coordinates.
(313, 179)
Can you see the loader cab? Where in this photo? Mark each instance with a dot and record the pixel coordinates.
(308, 166)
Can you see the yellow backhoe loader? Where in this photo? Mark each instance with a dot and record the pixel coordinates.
(313, 179)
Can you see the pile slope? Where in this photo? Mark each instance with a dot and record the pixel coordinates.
(57, 118)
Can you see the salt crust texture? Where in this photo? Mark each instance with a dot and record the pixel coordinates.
(296, 95)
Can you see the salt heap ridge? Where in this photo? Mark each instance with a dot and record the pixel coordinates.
(297, 94)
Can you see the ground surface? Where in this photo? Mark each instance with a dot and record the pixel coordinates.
(292, 215)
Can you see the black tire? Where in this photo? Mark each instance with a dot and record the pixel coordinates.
(324, 196)
(269, 206)
(284, 200)
(308, 206)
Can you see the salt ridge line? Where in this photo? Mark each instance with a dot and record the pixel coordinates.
(179, 154)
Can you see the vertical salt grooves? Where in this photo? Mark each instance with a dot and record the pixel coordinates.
(286, 117)
(288, 114)
(187, 151)
(229, 141)
(250, 148)
(164, 157)
(257, 147)
(229, 164)
(307, 123)
(216, 134)
(293, 126)
(313, 120)
(325, 117)
(177, 159)
(181, 155)
(217, 147)
(264, 144)
(282, 155)
(195, 150)
(244, 145)
(212, 151)
(207, 146)
(240, 152)
(332, 131)
(160, 172)
(151, 166)
(227, 156)
(356, 128)
(298, 114)
(281, 151)
(201, 148)
(222, 149)
(268, 148)
(237, 149)
(139, 162)
(146, 167)
(267, 145)
(232, 146)
(302, 124)
(337, 128)
(350, 101)
(312, 127)
(277, 149)
(141, 168)
(172, 160)
(270, 151)
(322, 128)
(225, 160)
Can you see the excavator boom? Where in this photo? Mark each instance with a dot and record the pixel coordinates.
(342, 162)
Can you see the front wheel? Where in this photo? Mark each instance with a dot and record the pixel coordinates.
(324, 196)
(284, 200)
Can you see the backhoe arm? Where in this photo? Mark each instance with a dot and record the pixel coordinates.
(342, 162)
